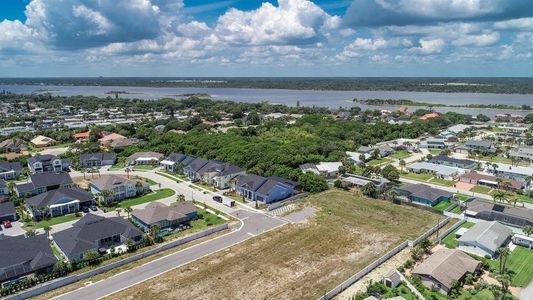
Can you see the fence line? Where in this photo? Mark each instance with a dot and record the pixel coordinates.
(288, 200)
(357, 276)
(410, 286)
(451, 229)
(54, 284)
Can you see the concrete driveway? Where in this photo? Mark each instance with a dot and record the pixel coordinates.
(16, 229)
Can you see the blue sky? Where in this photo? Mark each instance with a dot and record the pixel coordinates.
(266, 38)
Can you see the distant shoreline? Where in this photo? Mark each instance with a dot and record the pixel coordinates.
(406, 102)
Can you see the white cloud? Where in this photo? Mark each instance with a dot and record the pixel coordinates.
(480, 40)
(520, 24)
(427, 46)
(292, 22)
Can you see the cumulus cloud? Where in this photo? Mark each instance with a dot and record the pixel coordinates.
(405, 12)
(16, 37)
(292, 22)
(429, 46)
(520, 24)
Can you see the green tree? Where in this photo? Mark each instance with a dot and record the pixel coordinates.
(91, 256)
(503, 253)
(528, 230)
(370, 190)
(313, 183)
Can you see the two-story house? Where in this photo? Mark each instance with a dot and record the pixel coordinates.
(42, 183)
(173, 162)
(192, 170)
(58, 202)
(47, 163)
(110, 188)
(268, 190)
(9, 170)
(219, 174)
(89, 160)
(95, 233)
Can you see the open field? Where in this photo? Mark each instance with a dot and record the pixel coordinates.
(347, 233)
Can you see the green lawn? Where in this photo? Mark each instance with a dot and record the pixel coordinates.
(143, 168)
(402, 154)
(444, 182)
(457, 210)
(435, 151)
(378, 161)
(520, 263)
(524, 198)
(417, 176)
(56, 252)
(481, 189)
(442, 206)
(462, 197)
(208, 220)
(501, 159)
(449, 241)
(159, 194)
(51, 222)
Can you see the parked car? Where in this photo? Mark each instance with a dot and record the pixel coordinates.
(85, 209)
(228, 202)
(93, 208)
(217, 199)
(6, 224)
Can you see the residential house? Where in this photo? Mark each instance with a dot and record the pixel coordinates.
(440, 171)
(43, 163)
(8, 212)
(385, 150)
(522, 153)
(13, 145)
(21, 257)
(4, 189)
(510, 171)
(220, 174)
(192, 169)
(476, 146)
(89, 160)
(423, 194)
(82, 136)
(444, 266)
(328, 170)
(353, 180)
(10, 170)
(110, 188)
(173, 162)
(490, 181)
(144, 158)
(42, 183)
(122, 143)
(429, 116)
(454, 162)
(523, 240)
(365, 149)
(484, 238)
(433, 143)
(95, 233)
(355, 157)
(41, 141)
(58, 202)
(107, 139)
(165, 217)
(267, 190)
(489, 211)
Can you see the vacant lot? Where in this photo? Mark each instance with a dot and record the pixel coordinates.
(298, 261)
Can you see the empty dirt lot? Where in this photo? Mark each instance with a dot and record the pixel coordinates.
(298, 261)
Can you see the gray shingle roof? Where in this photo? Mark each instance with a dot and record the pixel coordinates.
(107, 182)
(492, 235)
(82, 236)
(176, 157)
(20, 255)
(197, 164)
(3, 183)
(157, 211)
(7, 208)
(44, 180)
(445, 158)
(425, 191)
(53, 197)
(100, 156)
(251, 182)
(491, 211)
(6, 166)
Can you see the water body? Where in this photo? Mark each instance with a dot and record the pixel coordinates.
(331, 99)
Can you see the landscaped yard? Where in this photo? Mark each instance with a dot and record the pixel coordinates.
(449, 241)
(378, 161)
(143, 168)
(159, 194)
(520, 263)
(481, 189)
(435, 151)
(443, 205)
(462, 197)
(346, 234)
(417, 176)
(51, 222)
(501, 159)
(402, 154)
(444, 182)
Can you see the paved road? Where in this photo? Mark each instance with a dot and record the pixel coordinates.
(253, 223)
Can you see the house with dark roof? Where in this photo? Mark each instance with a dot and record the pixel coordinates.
(423, 194)
(58, 202)
(165, 217)
(454, 162)
(41, 183)
(173, 162)
(10, 170)
(22, 257)
(192, 170)
(110, 188)
(96, 233)
(7, 211)
(353, 180)
(47, 163)
(484, 238)
(267, 190)
(4, 189)
(444, 266)
(489, 211)
(13, 145)
(89, 160)
(219, 173)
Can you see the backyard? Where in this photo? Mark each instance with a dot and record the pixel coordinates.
(378, 161)
(275, 264)
(449, 241)
(157, 195)
(402, 154)
(417, 176)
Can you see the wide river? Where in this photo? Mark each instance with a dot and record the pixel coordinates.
(331, 99)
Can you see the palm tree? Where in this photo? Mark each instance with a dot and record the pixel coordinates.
(119, 210)
(180, 198)
(128, 210)
(47, 230)
(528, 230)
(503, 252)
(127, 172)
(402, 164)
(154, 230)
(499, 196)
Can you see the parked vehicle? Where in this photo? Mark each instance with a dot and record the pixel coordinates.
(228, 202)
(93, 208)
(85, 209)
(6, 224)
(217, 199)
